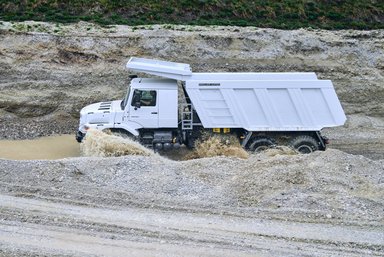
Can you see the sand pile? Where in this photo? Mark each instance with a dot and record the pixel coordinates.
(279, 150)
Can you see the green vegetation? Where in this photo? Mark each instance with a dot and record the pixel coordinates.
(288, 14)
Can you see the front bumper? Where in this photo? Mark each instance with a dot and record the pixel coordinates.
(79, 136)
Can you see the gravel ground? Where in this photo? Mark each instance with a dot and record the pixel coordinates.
(270, 204)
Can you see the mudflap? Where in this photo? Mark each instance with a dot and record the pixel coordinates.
(323, 141)
(79, 136)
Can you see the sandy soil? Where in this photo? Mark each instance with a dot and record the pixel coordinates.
(65, 229)
(326, 203)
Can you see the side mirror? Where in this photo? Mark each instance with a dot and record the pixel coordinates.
(137, 105)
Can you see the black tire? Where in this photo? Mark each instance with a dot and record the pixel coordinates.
(190, 142)
(259, 144)
(304, 144)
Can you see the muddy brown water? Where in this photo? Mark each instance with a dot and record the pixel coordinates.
(64, 146)
(44, 148)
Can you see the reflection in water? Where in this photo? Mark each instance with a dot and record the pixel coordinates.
(45, 148)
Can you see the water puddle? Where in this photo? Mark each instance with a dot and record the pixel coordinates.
(100, 144)
(103, 145)
(45, 148)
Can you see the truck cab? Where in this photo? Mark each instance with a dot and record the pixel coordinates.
(148, 104)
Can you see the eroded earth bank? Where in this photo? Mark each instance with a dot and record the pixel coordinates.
(272, 204)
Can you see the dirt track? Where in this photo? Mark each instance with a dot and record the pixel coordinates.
(50, 228)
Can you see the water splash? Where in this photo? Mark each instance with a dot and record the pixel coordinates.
(218, 145)
(99, 144)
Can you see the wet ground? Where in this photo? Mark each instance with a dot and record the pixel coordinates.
(64, 146)
(374, 151)
(44, 148)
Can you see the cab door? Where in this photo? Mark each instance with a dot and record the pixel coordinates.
(144, 108)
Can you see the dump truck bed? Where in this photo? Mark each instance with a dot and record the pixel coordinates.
(266, 105)
(295, 101)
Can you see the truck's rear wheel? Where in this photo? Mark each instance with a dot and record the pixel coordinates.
(259, 144)
(304, 144)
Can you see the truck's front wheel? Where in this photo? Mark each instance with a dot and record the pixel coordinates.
(304, 144)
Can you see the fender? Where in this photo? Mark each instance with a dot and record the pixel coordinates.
(130, 126)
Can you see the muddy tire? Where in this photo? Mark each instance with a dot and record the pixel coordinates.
(304, 144)
(260, 144)
(191, 142)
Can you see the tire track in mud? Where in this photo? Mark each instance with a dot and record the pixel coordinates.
(42, 227)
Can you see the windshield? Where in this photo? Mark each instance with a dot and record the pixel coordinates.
(125, 100)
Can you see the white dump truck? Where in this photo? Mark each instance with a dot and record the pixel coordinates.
(260, 109)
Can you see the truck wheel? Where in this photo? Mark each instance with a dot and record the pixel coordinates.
(190, 142)
(304, 144)
(260, 144)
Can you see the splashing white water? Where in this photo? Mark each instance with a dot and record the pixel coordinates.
(218, 145)
(99, 144)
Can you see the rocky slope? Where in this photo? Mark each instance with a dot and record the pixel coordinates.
(48, 72)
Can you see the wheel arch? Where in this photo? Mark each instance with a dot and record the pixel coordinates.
(133, 131)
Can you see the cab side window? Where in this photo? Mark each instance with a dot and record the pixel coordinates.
(144, 98)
